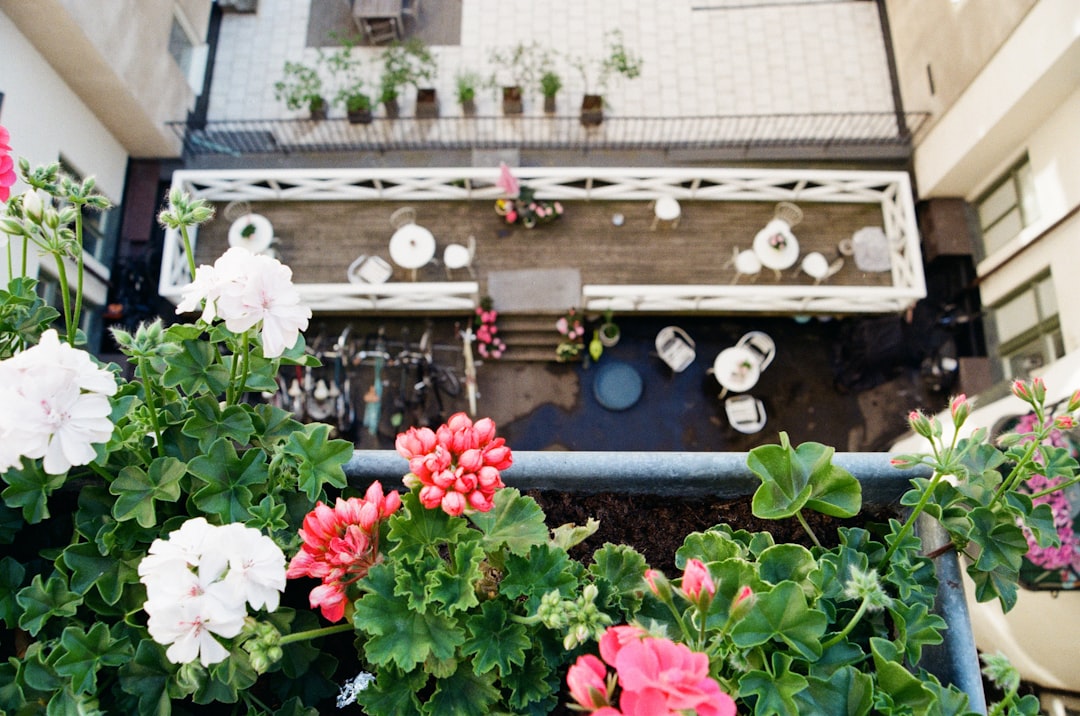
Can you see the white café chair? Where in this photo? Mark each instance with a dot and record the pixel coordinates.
(817, 267)
(745, 413)
(458, 256)
(369, 269)
(787, 212)
(234, 210)
(402, 217)
(746, 263)
(667, 209)
(760, 344)
(676, 348)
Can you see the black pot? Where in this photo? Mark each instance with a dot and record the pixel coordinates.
(512, 100)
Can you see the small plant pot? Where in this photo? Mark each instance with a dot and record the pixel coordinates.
(317, 110)
(609, 334)
(592, 110)
(360, 116)
(392, 109)
(468, 108)
(427, 104)
(549, 104)
(512, 100)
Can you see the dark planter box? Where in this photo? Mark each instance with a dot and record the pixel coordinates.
(512, 100)
(427, 104)
(725, 475)
(592, 110)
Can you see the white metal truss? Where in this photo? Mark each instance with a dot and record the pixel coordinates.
(890, 190)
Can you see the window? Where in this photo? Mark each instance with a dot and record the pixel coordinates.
(1028, 330)
(1007, 207)
(189, 54)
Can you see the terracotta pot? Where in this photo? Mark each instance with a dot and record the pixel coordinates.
(592, 110)
(512, 100)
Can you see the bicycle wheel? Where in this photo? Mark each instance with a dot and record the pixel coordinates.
(446, 380)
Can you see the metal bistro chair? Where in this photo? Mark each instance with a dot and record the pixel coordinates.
(369, 269)
(676, 348)
(746, 263)
(745, 413)
(458, 256)
(236, 209)
(788, 212)
(402, 217)
(760, 344)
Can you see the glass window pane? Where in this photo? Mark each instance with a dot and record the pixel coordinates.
(1002, 232)
(1028, 200)
(1047, 298)
(997, 204)
(1016, 316)
(1019, 364)
(180, 46)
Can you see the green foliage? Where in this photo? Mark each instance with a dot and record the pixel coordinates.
(405, 64)
(300, 86)
(449, 618)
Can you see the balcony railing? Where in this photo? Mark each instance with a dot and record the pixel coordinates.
(848, 134)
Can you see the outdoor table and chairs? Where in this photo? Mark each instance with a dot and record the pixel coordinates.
(776, 246)
(411, 247)
(257, 239)
(379, 20)
(736, 369)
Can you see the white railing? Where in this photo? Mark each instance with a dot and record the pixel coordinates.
(890, 190)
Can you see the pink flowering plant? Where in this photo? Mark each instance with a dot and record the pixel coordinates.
(489, 344)
(572, 329)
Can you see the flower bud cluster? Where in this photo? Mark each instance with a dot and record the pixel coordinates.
(199, 582)
(263, 648)
(457, 466)
(340, 544)
(580, 618)
(865, 585)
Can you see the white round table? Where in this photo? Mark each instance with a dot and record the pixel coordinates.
(772, 256)
(411, 247)
(736, 369)
(666, 209)
(258, 240)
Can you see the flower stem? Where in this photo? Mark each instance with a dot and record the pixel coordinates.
(148, 393)
(79, 264)
(849, 626)
(314, 633)
(1055, 488)
(65, 297)
(806, 526)
(1017, 473)
(912, 517)
(187, 250)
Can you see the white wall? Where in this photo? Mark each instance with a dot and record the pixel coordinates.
(46, 120)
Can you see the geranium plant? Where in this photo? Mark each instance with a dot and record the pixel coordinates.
(488, 342)
(572, 330)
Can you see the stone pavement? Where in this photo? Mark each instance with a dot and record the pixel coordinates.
(700, 57)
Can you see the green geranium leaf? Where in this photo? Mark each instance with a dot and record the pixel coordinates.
(895, 680)
(29, 487)
(916, 627)
(84, 653)
(570, 535)
(197, 368)
(10, 524)
(1002, 543)
(393, 693)
(227, 479)
(11, 577)
(786, 562)
(209, 422)
(1038, 518)
(136, 489)
(545, 569)
(89, 568)
(710, 546)
(452, 585)
(782, 614)
(1057, 462)
(621, 567)
(320, 458)
(999, 583)
(397, 634)
(463, 694)
(532, 688)
(414, 529)
(515, 521)
(775, 692)
(268, 516)
(803, 476)
(295, 707)
(273, 425)
(494, 640)
(42, 601)
(846, 692)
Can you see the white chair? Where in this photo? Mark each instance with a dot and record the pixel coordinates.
(745, 413)
(760, 344)
(676, 348)
(746, 263)
(458, 256)
(402, 217)
(666, 209)
(369, 269)
(788, 212)
(236, 209)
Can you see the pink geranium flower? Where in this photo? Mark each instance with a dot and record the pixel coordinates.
(697, 584)
(7, 165)
(587, 682)
(340, 544)
(456, 467)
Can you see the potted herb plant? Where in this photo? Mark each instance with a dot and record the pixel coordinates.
(404, 64)
(348, 74)
(301, 88)
(466, 83)
(619, 61)
(550, 84)
(609, 331)
(516, 69)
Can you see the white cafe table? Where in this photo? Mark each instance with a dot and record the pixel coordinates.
(736, 369)
(258, 240)
(772, 257)
(411, 247)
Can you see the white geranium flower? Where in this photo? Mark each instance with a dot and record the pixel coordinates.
(182, 550)
(256, 565)
(189, 626)
(204, 287)
(51, 355)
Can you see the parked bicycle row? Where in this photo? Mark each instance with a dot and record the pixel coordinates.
(372, 386)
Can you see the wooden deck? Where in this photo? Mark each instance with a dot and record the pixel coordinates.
(318, 239)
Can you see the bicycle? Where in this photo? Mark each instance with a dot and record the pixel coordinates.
(422, 384)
